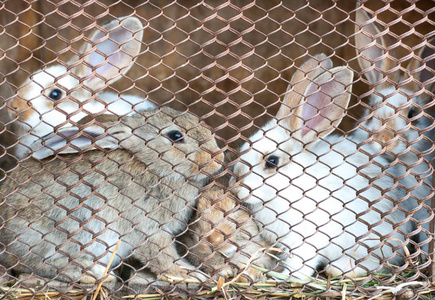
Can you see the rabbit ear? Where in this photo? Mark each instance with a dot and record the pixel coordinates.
(75, 139)
(427, 62)
(6, 91)
(6, 96)
(325, 103)
(111, 52)
(370, 47)
(298, 84)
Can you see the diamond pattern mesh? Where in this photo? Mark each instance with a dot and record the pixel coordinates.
(254, 149)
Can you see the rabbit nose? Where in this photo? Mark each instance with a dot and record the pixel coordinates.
(12, 112)
(387, 139)
(212, 162)
(234, 185)
(13, 108)
(216, 238)
(18, 107)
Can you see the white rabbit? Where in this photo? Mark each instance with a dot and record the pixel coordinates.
(62, 216)
(397, 125)
(313, 192)
(61, 94)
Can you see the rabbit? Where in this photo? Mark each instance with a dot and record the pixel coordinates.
(397, 125)
(222, 228)
(133, 179)
(313, 192)
(61, 94)
(7, 139)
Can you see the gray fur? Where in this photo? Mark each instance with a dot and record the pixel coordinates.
(63, 216)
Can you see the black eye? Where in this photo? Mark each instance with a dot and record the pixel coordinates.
(411, 113)
(176, 136)
(272, 162)
(55, 94)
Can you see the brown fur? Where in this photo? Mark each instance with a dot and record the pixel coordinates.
(203, 72)
(82, 204)
(19, 107)
(223, 237)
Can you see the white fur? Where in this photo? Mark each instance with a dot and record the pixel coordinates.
(413, 151)
(310, 206)
(389, 132)
(39, 115)
(329, 204)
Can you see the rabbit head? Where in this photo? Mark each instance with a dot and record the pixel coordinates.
(223, 233)
(313, 106)
(61, 94)
(171, 143)
(140, 176)
(288, 171)
(218, 219)
(396, 117)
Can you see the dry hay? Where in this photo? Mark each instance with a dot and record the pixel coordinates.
(273, 287)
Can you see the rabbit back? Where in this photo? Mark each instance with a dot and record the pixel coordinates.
(397, 124)
(325, 201)
(115, 204)
(324, 209)
(222, 234)
(77, 207)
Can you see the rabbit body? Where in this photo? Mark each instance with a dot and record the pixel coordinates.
(323, 200)
(222, 230)
(397, 126)
(63, 217)
(61, 94)
(320, 209)
(409, 151)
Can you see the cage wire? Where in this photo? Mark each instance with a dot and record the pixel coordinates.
(217, 149)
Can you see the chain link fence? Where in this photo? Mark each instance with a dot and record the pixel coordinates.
(217, 149)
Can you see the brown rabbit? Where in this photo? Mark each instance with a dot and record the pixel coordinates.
(222, 228)
(63, 216)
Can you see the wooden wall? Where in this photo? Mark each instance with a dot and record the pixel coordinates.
(228, 61)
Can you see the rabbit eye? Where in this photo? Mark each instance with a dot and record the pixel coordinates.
(176, 136)
(272, 162)
(55, 94)
(411, 113)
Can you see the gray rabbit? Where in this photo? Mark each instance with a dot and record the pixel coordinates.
(63, 215)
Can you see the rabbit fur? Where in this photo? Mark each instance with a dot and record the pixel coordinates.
(324, 201)
(396, 126)
(223, 234)
(61, 94)
(64, 214)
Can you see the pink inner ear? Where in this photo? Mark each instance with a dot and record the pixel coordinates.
(315, 103)
(108, 49)
(429, 55)
(113, 61)
(310, 117)
(318, 111)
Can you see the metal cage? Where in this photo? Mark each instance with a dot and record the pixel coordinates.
(209, 149)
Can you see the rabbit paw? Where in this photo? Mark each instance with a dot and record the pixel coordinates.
(250, 274)
(227, 272)
(97, 274)
(177, 274)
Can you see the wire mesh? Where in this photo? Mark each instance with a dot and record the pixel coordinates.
(173, 148)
